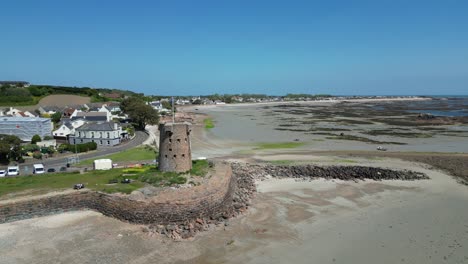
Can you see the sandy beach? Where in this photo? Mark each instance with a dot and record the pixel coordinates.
(291, 221)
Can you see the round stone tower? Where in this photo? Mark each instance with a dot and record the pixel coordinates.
(174, 147)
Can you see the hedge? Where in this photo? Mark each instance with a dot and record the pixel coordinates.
(81, 147)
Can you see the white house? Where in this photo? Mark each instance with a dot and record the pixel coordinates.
(16, 113)
(104, 134)
(157, 105)
(12, 112)
(67, 128)
(49, 110)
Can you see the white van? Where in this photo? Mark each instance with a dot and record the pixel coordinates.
(38, 169)
(13, 171)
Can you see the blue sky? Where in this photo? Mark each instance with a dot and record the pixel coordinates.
(274, 47)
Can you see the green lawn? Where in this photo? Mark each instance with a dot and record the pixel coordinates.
(95, 180)
(134, 154)
(279, 145)
(208, 123)
(98, 180)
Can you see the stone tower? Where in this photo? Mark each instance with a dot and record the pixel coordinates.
(174, 147)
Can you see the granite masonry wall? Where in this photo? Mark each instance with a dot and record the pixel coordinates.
(212, 200)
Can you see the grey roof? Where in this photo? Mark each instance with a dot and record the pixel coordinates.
(80, 114)
(22, 119)
(52, 108)
(68, 124)
(106, 126)
(91, 116)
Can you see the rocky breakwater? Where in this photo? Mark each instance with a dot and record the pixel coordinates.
(306, 172)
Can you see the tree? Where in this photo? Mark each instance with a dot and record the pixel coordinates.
(9, 148)
(166, 104)
(56, 117)
(35, 139)
(140, 113)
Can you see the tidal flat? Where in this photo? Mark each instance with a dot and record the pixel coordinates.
(345, 125)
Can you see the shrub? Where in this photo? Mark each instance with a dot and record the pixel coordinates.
(79, 147)
(37, 155)
(35, 139)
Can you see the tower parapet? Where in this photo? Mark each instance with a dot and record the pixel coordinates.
(174, 147)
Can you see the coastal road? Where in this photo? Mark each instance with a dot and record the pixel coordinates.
(140, 137)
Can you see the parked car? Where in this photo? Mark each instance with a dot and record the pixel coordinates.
(3, 173)
(13, 171)
(38, 169)
(78, 186)
(51, 170)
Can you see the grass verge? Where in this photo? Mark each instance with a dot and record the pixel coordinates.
(279, 145)
(134, 154)
(108, 181)
(209, 124)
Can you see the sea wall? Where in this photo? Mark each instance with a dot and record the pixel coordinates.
(167, 207)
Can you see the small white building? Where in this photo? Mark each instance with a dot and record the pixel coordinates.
(102, 164)
(47, 143)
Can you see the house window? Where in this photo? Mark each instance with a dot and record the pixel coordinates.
(100, 142)
(92, 140)
(108, 142)
(81, 141)
(108, 135)
(92, 135)
(74, 141)
(100, 134)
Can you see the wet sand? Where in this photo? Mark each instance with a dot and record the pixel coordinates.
(245, 126)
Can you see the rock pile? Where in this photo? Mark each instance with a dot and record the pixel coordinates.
(347, 173)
